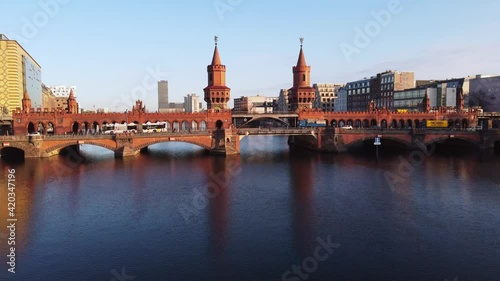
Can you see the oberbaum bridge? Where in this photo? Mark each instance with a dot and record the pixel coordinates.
(220, 131)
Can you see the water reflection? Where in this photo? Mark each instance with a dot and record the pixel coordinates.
(302, 173)
(218, 190)
(27, 174)
(264, 211)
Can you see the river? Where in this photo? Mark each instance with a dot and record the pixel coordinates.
(176, 213)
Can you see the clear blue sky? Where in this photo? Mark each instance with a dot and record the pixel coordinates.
(105, 48)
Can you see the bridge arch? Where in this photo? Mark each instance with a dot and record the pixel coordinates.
(357, 123)
(41, 127)
(349, 122)
(417, 123)
(51, 129)
(194, 125)
(203, 126)
(219, 124)
(31, 127)
(12, 152)
(333, 123)
(61, 146)
(86, 127)
(445, 138)
(373, 123)
(274, 120)
(185, 125)
(144, 145)
(75, 127)
(355, 141)
(175, 126)
(95, 127)
(409, 123)
(401, 123)
(394, 123)
(341, 123)
(366, 123)
(383, 123)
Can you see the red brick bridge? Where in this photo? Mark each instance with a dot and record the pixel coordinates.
(215, 131)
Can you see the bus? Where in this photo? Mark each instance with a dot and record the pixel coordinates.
(157, 127)
(132, 128)
(114, 128)
(436, 123)
(312, 123)
(108, 128)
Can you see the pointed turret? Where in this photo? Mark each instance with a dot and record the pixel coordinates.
(372, 106)
(302, 59)
(72, 104)
(460, 100)
(301, 95)
(26, 96)
(426, 103)
(26, 102)
(216, 93)
(71, 94)
(216, 57)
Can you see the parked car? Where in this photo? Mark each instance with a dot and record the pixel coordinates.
(348, 127)
(34, 134)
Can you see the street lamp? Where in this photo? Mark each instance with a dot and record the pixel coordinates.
(377, 143)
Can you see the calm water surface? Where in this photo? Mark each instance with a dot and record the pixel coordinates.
(178, 214)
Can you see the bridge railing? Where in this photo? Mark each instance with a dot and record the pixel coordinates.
(79, 136)
(13, 138)
(270, 131)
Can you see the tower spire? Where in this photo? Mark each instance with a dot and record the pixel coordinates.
(216, 57)
(302, 60)
(301, 95)
(217, 94)
(26, 96)
(26, 102)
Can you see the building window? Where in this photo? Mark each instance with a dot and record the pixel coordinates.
(303, 77)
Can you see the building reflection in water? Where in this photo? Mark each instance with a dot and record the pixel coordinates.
(302, 187)
(218, 190)
(27, 174)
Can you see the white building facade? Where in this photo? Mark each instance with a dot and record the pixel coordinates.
(192, 103)
(326, 94)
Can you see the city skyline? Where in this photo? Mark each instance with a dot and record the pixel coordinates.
(114, 60)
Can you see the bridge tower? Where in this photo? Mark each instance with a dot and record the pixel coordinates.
(460, 99)
(301, 95)
(26, 102)
(426, 103)
(216, 93)
(72, 105)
